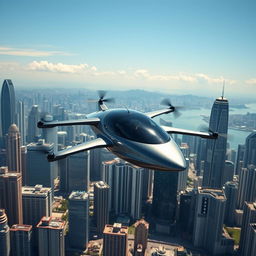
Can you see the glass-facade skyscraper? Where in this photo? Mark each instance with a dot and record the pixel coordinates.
(7, 106)
(216, 149)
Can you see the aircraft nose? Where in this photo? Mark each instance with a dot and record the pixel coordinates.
(172, 157)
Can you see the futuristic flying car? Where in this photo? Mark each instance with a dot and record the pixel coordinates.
(132, 136)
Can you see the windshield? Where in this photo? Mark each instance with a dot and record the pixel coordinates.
(135, 126)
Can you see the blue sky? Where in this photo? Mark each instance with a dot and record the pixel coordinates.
(183, 46)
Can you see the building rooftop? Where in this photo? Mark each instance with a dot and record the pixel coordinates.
(21, 227)
(116, 229)
(37, 190)
(51, 223)
(101, 184)
(217, 193)
(78, 195)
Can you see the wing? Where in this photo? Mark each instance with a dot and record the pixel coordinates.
(89, 121)
(97, 143)
(206, 135)
(159, 112)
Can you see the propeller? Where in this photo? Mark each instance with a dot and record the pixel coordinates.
(205, 128)
(102, 98)
(175, 110)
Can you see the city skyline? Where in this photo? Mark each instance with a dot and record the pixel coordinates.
(169, 46)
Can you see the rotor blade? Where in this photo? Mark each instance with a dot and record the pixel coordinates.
(166, 102)
(97, 143)
(102, 94)
(110, 100)
(51, 124)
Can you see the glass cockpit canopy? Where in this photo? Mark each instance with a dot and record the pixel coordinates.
(135, 126)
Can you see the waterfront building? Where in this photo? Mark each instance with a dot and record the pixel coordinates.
(10, 195)
(115, 240)
(78, 220)
(250, 150)
(216, 149)
(4, 234)
(7, 106)
(21, 240)
(13, 149)
(140, 237)
(51, 237)
(208, 222)
(246, 187)
(247, 238)
(101, 205)
(37, 203)
(34, 132)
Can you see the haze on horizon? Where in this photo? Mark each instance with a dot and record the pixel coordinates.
(176, 47)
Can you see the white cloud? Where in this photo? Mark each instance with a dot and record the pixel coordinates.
(251, 81)
(58, 67)
(28, 52)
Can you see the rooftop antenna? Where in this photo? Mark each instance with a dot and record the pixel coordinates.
(223, 89)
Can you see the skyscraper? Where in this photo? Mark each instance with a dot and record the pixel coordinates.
(51, 232)
(165, 200)
(231, 190)
(39, 170)
(101, 205)
(216, 149)
(208, 223)
(21, 121)
(249, 217)
(115, 240)
(13, 148)
(21, 242)
(250, 150)
(4, 234)
(247, 185)
(37, 203)
(140, 237)
(33, 131)
(10, 195)
(125, 181)
(78, 220)
(7, 106)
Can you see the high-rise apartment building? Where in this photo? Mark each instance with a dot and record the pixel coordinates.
(51, 237)
(125, 181)
(208, 223)
(21, 240)
(246, 187)
(37, 203)
(4, 234)
(7, 106)
(231, 191)
(140, 237)
(250, 150)
(101, 205)
(228, 172)
(39, 170)
(216, 149)
(10, 195)
(78, 220)
(115, 240)
(33, 131)
(13, 149)
(247, 238)
(20, 119)
(164, 205)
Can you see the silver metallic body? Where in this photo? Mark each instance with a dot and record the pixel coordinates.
(165, 156)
